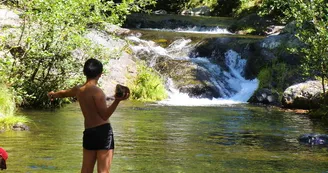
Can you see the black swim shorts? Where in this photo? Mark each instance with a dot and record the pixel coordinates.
(99, 138)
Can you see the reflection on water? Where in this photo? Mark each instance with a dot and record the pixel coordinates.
(154, 138)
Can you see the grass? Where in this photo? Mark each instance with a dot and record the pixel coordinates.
(7, 102)
(7, 122)
(7, 110)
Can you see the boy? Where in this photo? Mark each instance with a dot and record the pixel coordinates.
(98, 141)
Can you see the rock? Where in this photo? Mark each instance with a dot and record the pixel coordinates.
(160, 12)
(121, 66)
(9, 18)
(274, 29)
(265, 96)
(313, 139)
(106, 40)
(304, 95)
(118, 71)
(203, 10)
(20, 127)
(114, 29)
(290, 28)
(275, 41)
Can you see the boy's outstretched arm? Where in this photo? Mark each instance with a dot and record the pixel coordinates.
(106, 111)
(63, 93)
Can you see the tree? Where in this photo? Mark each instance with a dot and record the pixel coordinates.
(42, 59)
(311, 18)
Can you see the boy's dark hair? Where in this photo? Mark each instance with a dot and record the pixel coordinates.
(92, 68)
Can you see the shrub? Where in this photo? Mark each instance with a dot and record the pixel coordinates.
(148, 85)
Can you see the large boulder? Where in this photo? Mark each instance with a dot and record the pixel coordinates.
(121, 65)
(188, 76)
(304, 95)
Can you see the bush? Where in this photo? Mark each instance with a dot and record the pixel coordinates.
(148, 85)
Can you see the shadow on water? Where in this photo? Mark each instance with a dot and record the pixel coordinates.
(156, 138)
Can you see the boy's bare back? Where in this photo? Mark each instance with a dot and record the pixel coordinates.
(92, 101)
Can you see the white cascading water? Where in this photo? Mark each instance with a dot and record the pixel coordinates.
(195, 29)
(231, 84)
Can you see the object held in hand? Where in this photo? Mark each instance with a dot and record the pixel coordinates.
(120, 90)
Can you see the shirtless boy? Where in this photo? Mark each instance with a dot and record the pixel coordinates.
(98, 139)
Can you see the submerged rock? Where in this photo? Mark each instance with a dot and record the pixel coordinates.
(20, 127)
(313, 139)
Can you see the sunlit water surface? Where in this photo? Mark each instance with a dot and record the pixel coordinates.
(172, 139)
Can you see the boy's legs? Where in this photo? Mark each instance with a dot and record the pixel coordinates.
(89, 160)
(104, 160)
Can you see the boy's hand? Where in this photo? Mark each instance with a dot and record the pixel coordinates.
(51, 95)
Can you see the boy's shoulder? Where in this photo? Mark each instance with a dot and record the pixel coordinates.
(93, 89)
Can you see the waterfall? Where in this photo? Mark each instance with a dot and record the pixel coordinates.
(195, 29)
(229, 82)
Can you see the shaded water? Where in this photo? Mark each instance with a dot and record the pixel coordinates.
(154, 138)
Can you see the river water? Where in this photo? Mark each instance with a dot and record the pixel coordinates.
(154, 138)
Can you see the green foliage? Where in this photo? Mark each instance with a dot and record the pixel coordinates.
(322, 112)
(274, 76)
(275, 8)
(8, 108)
(52, 30)
(7, 102)
(311, 19)
(148, 85)
(6, 123)
(265, 78)
(196, 3)
(312, 28)
(247, 6)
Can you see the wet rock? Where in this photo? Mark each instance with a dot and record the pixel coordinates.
(20, 127)
(265, 96)
(313, 139)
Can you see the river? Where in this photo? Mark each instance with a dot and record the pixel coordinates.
(155, 138)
